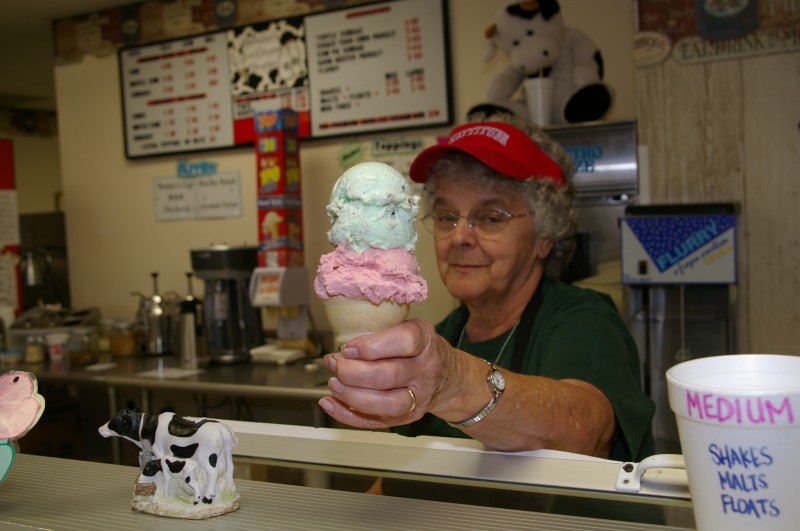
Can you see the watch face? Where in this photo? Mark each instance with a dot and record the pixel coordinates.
(498, 381)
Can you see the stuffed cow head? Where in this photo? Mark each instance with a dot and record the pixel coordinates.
(529, 33)
(533, 36)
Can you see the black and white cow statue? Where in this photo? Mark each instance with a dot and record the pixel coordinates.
(181, 457)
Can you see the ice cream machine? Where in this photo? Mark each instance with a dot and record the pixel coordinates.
(679, 269)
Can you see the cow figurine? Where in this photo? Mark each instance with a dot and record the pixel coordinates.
(175, 474)
(186, 463)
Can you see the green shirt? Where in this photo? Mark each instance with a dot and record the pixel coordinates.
(577, 333)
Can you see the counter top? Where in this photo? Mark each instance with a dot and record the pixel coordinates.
(51, 493)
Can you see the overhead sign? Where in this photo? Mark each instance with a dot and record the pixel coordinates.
(378, 67)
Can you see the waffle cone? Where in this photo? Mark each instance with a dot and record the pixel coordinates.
(351, 318)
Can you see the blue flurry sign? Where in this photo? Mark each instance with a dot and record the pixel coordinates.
(679, 249)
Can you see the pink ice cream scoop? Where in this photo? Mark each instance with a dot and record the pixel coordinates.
(375, 275)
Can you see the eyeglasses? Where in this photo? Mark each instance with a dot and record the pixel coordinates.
(484, 222)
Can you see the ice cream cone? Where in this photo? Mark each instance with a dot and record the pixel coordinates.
(351, 318)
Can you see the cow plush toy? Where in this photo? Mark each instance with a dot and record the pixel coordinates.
(186, 464)
(536, 42)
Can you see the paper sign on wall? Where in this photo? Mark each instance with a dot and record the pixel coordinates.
(206, 197)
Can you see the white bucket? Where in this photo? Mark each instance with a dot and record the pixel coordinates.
(739, 426)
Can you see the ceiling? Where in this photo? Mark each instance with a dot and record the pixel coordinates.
(26, 48)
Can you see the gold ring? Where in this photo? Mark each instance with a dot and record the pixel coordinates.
(413, 400)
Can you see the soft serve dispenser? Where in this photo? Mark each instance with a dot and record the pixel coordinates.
(232, 324)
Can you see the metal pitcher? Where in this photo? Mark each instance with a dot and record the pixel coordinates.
(154, 323)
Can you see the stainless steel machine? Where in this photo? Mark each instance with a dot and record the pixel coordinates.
(606, 182)
(232, 325)
(679, 267)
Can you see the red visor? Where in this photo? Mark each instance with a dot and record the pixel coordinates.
(502, 147)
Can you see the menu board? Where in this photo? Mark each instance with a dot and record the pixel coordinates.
(176, 96)
(376, 67)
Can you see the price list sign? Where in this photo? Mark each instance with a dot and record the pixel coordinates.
(376, 67)
(176, 96)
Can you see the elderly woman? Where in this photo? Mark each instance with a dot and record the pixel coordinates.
(526, 362)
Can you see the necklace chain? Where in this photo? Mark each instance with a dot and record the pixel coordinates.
(502, 349)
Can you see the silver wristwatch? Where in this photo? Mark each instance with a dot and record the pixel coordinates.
(497, 384)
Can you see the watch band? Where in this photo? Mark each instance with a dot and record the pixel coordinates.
(495, 388)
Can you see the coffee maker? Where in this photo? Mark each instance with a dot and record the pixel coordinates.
(232, 324)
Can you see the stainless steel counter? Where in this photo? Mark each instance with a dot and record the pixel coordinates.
(298, 380)
(50, 493)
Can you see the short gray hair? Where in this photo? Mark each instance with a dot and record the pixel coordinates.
(554, 214)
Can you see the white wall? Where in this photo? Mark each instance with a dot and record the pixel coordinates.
(113, 238)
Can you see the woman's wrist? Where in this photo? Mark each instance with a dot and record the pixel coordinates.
(461, 387)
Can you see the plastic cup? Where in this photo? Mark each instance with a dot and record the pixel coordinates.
(738, 421)
(539, 97)
(57, 345)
